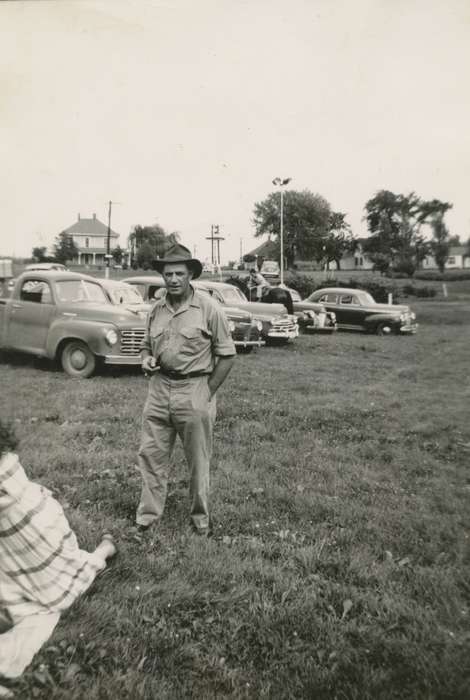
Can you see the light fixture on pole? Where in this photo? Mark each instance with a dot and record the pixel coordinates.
(278, 182)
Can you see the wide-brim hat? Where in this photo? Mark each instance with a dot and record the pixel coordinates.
(179, 254)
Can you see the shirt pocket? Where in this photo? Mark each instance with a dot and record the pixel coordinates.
(194, 339)
(157, 341)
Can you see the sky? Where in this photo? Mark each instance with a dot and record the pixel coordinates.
(183, 112)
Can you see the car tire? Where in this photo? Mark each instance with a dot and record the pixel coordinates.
(384, 328)
(78, 360)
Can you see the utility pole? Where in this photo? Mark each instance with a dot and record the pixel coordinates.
(108, 240)
(215, 239)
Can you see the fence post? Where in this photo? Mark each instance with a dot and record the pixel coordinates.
(444, 290)
(390, 298)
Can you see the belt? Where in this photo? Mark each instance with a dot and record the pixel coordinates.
(172, 374)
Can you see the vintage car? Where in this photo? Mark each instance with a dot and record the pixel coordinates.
(270, 269)
(245, 330)
(357, 310)
(278, 326)
(66, 316)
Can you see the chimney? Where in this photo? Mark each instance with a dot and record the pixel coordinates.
(79, 216)
(94, 216)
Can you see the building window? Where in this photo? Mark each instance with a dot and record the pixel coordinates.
(87, 242)
(451, 260)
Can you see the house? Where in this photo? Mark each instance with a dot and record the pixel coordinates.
(458, 259)
(357, 260)
(91, 236)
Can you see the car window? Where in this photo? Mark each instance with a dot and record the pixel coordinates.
(232, 296)
(153, 289)
(347, 299)
(36, 291)
(331, 298)
(126, 295)
(80, 290)
(140, 288)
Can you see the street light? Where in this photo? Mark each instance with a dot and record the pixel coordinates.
(278, 182)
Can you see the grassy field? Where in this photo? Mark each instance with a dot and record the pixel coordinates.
(340, 562)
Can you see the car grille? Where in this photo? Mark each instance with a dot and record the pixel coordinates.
(131, 341)
(287, 323)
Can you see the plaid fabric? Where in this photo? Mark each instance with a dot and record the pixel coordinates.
(42, 568)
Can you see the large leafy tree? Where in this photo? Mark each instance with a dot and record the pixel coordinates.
(64, 248)
(311, 230)
(395, 223)
(40, 253)
(150, 242)
(338, 241)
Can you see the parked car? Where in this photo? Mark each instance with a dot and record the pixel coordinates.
(270, 269)
(246, 331)
(312, 317)
(357, 310)
(67, 316)
(278, 325)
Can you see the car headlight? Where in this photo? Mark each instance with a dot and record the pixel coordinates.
(333, 316)
(231, 325)
(111, 337)
(258, 325)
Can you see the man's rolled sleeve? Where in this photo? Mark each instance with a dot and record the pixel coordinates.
(222, 342)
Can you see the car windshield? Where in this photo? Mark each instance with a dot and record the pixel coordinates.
(80, 290)
(232, 296)
(126, 295)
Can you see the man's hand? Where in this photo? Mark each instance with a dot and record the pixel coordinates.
(149, 365)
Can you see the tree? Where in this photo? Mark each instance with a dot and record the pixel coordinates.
(338, 241)
(39, 253)
(395, 222)
(118, 254)
(306, 223)
(440, 246)
(65, 248)
(154, 238)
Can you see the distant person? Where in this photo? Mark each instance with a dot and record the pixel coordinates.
(256, 285)
(188, 351)
(42, 568)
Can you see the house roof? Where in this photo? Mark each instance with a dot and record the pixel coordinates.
(266, 249)
(459, 250)
(90, 227)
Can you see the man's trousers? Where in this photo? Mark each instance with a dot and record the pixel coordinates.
(176, 407)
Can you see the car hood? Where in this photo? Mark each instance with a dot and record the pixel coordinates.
(259, 309)
(316, 306)
(236, 314)
(106, 313)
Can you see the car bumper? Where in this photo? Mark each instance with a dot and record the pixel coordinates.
(409, 330)
(249, 343)
(122, 360)
(288, 334)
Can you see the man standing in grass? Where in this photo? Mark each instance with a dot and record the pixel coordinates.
(188, 351)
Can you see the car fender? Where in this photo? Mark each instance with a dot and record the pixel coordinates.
(90, 332)
(374, 319)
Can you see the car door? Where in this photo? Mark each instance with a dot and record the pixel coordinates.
(31, 316)
(351, 313)
(329, 300)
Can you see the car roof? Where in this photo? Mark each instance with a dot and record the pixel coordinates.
(45, 266)
(112, 284)
(58, 275)
(339, 290)
(214, 285)
(143, 279)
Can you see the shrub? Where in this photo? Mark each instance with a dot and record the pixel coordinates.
(410, 290)
(303, 284)
(447, 276)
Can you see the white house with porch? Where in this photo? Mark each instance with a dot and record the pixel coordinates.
(91, 236)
